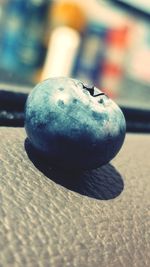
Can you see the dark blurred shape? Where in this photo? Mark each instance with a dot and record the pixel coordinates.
(91, 54)
(138, 120)
(11, 118)
(137, 8)
(12, 108)
(12, 101)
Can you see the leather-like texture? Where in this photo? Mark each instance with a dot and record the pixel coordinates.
(99, 218)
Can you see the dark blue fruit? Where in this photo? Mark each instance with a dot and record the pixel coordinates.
(74, 125)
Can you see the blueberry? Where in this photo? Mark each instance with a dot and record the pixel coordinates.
(74, 125)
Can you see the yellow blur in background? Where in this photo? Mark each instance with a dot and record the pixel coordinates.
(95, 41)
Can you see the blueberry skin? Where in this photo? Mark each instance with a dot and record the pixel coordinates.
(70, 126)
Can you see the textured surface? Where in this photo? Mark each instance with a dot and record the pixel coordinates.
(98, 218)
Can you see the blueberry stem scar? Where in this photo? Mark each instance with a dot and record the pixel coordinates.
(91, 90)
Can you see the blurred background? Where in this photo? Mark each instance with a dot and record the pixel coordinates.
(103, 42)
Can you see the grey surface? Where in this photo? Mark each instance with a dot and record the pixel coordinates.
(98, 218)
